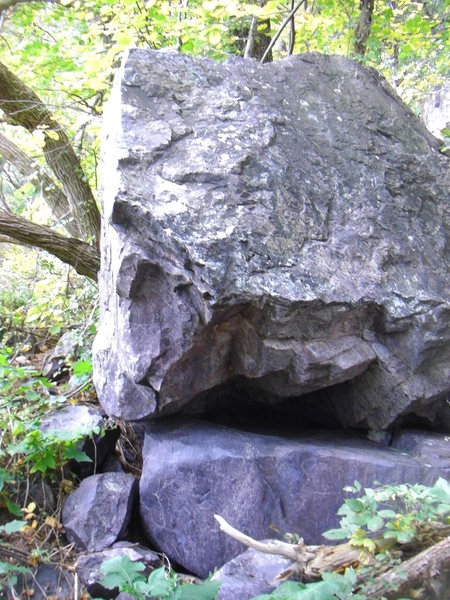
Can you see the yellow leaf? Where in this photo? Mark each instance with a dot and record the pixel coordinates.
(52, 134)
(214, 38)
(51, 522)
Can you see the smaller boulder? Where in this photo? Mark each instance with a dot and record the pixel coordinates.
(89, 565)
(249, 574)
(98, 512)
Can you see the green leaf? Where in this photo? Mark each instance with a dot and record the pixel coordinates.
(289, 590)
(82, 367)
(72, 453)
(403, 537)
(375, 523)
(12, 526)
(161, 583)
(120, 571)
(387, 514)
(6, 568)
(337, 534)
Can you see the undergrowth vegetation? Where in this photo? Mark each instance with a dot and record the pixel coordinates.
(385, 521)
(35, 473)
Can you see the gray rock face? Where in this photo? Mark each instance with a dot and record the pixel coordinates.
(281, 224)
(431, 448)
(89, 565)
(98, 512)
(249, 574)
(193, 470)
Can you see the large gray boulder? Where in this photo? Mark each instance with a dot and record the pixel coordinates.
(279, 225)
(257, 482)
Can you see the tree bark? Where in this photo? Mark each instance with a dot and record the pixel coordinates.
(24, 107)
(362, 30)
(414, 575)
(52, 194)
(253, 39)
(4, 4)
(83, 257)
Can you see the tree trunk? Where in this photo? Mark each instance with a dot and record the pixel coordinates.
(253, 40)
(4, 4)
(83, 257)
(262, 41)
(416, 577)
(362, 30)
(23, 107)
(52, 194)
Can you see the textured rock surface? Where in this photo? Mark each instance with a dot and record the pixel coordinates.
(430, 448)
(98, 512)
(249, 574)
(193, 470)
(281, 224)
(89, 565)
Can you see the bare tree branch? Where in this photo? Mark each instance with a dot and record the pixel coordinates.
(25, 108)
(284, 549)
(291, 31)
(248, 52)
(280, 29)
(82, 256)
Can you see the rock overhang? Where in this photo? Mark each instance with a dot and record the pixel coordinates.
(285, 224)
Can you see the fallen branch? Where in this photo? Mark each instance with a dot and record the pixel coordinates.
(290, 551)
(309, 562)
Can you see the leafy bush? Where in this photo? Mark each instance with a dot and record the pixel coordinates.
(396, 512)
(121, 572)
(333, 586)
(24, 448)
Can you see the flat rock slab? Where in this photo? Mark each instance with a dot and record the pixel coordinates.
(98, 512)
(284, 224)
(193, 470)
